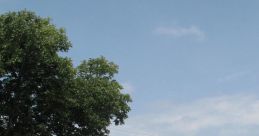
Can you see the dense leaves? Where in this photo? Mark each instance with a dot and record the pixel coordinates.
(42, 94)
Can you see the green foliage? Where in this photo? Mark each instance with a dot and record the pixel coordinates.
(42, 94)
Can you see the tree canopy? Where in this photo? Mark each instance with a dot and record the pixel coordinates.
(42, 94)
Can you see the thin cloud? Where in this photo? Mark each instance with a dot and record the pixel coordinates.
(221, 116)
(180, 32)
(234, 76)
(127, 88)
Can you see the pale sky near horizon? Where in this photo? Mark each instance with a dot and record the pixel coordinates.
(191, 66)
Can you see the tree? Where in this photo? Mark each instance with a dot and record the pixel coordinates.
(42, 94)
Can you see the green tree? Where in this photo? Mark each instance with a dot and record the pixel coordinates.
(42, 94)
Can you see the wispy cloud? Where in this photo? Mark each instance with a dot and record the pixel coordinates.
(236, 115)
(234, 76)
(127, 88)
(180, 32)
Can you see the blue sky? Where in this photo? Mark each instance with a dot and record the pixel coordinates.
(191, 66)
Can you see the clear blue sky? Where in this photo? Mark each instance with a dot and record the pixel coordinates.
(191, 66)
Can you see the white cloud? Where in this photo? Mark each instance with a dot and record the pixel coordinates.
(234, 76)
(180, 32)
(236, 115)
(127, 88)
